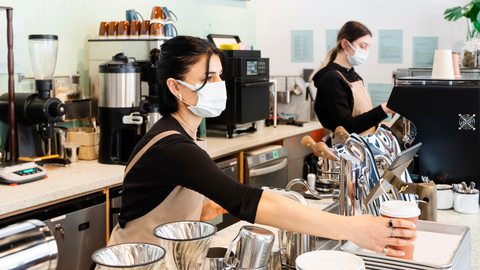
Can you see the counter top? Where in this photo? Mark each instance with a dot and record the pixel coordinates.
(88, 176)
(225, 236)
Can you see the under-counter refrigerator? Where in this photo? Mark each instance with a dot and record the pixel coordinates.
(79, 226)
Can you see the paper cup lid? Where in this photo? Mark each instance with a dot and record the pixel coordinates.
(400, 209)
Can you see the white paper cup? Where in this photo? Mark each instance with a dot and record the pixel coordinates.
(443, 65)
(401, 210)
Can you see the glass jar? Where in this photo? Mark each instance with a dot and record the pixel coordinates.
(469, 55)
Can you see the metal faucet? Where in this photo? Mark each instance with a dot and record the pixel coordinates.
(334, 195)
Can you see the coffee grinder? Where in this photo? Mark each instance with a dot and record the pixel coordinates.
(39, 108)
(32, 108)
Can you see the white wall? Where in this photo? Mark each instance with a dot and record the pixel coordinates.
(276, 19)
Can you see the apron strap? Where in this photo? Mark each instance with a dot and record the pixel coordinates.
(146, 147)
(349, 83)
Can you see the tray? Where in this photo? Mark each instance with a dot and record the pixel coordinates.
(460, 257)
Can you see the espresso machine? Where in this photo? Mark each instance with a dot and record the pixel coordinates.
(247, 79)
(38, 108)
(445, 114)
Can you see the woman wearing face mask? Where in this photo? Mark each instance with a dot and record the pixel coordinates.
(342, 99)
(168, 174)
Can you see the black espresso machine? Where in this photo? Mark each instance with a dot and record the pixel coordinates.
(247, 80)
(445, 114)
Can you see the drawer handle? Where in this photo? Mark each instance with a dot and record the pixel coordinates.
(270, 169)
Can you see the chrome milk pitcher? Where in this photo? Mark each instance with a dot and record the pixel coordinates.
(252, 248)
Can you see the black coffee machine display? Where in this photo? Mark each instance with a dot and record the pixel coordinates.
(248, 89)
(38, 108)
(124, 116)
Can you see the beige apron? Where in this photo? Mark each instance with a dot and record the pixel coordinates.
(361, 100)
(181, 204)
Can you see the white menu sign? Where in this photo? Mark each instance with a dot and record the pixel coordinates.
(18, 30)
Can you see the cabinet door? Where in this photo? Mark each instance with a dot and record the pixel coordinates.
(78, 235)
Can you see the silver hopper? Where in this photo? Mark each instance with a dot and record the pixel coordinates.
(186, 242)
(138, 256)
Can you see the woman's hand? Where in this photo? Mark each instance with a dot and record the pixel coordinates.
(386, 109)
(374, 233)
(211, 210)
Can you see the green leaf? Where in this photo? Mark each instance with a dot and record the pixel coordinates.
(453, 14)
(476, 24)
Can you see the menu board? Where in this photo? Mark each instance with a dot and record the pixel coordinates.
(302, 45)
(379, 94)
(424, 51)
(390, 47)
(331, 38)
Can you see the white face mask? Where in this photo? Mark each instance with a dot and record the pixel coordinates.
(212, 99)
(358, 57)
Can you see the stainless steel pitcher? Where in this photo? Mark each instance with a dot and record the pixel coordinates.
(294, 244)
(252, 248)
(186, 242)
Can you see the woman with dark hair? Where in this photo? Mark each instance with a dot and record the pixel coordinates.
(342, 99)
(168, 174)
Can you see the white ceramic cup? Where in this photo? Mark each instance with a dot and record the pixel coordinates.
(444, 197)
(465, 203)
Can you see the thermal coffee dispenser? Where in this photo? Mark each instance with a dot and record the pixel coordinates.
(445, 113)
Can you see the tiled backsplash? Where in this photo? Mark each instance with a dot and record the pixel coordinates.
(76, 21)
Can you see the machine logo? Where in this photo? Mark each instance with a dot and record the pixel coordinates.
(466, 121)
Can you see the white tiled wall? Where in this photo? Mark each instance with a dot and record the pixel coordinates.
(76, 21)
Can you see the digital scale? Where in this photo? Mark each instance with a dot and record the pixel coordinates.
(21, 172)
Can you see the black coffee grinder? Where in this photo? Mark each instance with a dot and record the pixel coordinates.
(38, 108)
(20, 108)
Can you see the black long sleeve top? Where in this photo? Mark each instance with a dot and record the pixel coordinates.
(334, 101)
(178, 160)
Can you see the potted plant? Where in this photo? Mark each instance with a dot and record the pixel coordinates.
(470, 11)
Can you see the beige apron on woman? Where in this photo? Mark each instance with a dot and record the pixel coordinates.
(361, 103)
(181, 204)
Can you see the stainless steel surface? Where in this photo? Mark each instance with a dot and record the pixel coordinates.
(351, 186)
(294, 244)
(78, 235)
(252, 247)
(152, 118)
(138, 256)
(60, 138)
(460, 259)
(268, 168)
(119, 90)
(186, 243)
(28, 245)
(275, 259)
(335, 194)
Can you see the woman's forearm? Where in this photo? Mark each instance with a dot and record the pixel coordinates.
(367, 231)
(286, 214)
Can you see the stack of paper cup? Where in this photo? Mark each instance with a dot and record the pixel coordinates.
(443, 65)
